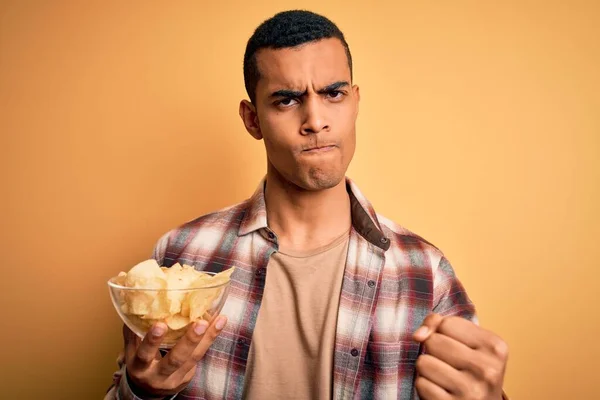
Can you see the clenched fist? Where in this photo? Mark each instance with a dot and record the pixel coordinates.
(461, 360)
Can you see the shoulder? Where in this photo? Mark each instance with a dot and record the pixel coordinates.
(201, 234)
(216, 221)
(407, 245)
(411, 256)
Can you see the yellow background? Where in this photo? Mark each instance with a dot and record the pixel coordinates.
(479, 129)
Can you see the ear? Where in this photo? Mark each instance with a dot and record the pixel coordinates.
(250, 119)
(356, 91)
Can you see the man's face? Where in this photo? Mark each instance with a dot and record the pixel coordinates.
(306, 112)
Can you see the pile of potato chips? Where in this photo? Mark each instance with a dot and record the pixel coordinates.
(175, 295)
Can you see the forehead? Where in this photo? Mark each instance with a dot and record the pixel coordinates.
(315, 63)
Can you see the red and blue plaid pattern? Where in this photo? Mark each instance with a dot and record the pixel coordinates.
(393, 279)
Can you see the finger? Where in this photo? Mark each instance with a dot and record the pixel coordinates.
(182, 352)
(184, 376)
(189, 375)
(131, 342)
(430, 391)
(148, 349)
(473, 336)
(429, 325)
(211, 334)
(442, 374)
(449, 350)
(477, 363)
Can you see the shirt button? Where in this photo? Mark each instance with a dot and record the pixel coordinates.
(241, 342)
(384, 240)
(354, 352)
(371, 284)
(260, 272)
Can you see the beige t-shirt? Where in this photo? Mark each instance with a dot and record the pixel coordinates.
(291, 356)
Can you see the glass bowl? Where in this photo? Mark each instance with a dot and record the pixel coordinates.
(140, 308)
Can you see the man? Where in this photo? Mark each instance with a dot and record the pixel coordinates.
(328, 295)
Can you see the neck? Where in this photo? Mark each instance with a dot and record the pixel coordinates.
(304, 220)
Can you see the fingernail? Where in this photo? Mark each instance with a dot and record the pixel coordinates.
(422, 331)
(200, 327)
(220, 323)
(158, 330)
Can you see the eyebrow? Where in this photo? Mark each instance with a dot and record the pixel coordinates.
(293, 93)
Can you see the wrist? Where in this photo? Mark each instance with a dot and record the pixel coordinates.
(140, 393)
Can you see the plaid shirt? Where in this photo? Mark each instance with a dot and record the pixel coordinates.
(392, 280)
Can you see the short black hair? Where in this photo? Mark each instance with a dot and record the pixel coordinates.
(287, 29)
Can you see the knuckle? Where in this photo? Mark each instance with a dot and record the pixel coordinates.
(447, 322)
(212, 334)
(475, 366)
(490, 375)
(135, 374)
(478, 392)
(420, 363)
(420, 383)
(500, 348)
(143, 357)
(434, 319)
(176, 361)
(433, 343)
(434, 339)
(193, 338)
(464, 386)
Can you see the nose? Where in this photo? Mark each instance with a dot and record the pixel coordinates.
(315, 117)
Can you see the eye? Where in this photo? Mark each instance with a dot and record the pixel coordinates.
(335, 94)
(287, 102)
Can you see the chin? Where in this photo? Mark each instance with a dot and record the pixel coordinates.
(320, 180)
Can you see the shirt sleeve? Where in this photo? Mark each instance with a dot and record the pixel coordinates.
(160, 249)
(120, 389)
(449, 295)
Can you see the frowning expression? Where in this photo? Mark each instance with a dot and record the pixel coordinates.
(306, 109)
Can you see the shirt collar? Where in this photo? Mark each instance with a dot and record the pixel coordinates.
(364, 217)
(255, 216)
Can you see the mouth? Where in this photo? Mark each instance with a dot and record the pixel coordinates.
(319, 149)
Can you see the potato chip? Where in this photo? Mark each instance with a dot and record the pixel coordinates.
(222, 277)
(185, 306)
(139, 302)
(160, 306)
(175, 295)
(200, 301)
(147, 275)
(177, 321)
(120, 279)
(179, 277)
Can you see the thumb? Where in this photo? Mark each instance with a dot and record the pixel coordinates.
(131, 341)
(429, 326)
